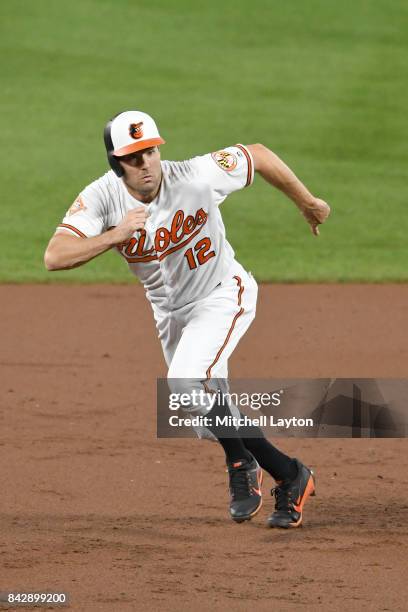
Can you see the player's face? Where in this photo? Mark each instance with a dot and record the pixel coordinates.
(142, 171)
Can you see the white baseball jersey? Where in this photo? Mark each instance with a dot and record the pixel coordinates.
(203, 300)
(182, 254)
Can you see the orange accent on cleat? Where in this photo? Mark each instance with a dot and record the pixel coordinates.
(309, 490)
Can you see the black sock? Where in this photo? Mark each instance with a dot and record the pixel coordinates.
(234, 449)
(271, 459)
(228, 436)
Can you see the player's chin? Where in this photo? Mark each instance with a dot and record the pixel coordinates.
(148, 186)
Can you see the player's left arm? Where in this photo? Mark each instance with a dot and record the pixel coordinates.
(278, 174)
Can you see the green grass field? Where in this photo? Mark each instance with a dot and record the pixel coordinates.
(321, 82)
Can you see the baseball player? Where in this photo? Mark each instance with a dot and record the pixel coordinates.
(164, 219)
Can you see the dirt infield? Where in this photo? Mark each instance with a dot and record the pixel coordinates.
(94, 505)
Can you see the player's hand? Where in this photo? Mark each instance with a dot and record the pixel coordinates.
(315, 214)
(133, 220)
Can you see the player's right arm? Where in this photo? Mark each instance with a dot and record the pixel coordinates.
(66, 251)
(277, 173)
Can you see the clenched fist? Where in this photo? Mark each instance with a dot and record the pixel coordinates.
(132, 221)
(315, 214)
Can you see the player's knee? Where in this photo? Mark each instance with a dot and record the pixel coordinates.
(178, 383)
(191, 391)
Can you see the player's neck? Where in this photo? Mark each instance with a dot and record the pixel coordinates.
(146, 198)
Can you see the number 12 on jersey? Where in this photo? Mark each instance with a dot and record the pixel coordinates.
(200, 253)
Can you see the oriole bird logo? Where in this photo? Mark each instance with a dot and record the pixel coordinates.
(135, 130)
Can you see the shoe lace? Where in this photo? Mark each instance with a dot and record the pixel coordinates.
(283, 500)
(239, 483)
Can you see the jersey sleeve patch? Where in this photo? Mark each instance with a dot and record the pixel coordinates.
(225, 160)
(76, 207)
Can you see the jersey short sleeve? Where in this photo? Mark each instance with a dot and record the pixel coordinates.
(86, 217)
(226, 170)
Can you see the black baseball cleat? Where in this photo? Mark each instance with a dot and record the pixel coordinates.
(245, 479)
(290, 497)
